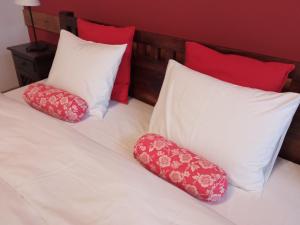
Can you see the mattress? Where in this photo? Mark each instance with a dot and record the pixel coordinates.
(277, 204)
(120, 128)
(51, 174)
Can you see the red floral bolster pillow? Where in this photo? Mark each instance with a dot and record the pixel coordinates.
(188, 171)
(55, 102)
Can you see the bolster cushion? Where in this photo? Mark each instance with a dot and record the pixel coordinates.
(55, 102)
(179, 166)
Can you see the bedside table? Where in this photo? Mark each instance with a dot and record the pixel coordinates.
(32, 66)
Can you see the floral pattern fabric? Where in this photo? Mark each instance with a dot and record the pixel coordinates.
(179, 166)
(55, 102)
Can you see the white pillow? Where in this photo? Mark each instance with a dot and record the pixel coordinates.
(240, 129)
(86, 69)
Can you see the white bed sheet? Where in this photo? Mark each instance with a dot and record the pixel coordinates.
(278, 204)
(51, 174)
(120, 128)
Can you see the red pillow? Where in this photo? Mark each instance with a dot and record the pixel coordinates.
(112, 35)
(55, 102)
(240, 70)
(188, 171)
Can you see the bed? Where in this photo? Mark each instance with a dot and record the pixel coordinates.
(77, 187)
(280, 196)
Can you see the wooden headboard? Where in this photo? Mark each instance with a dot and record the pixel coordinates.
(151, 53)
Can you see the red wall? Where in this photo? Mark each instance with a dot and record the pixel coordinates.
(266, 26)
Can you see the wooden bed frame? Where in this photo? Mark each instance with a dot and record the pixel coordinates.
(151, 53)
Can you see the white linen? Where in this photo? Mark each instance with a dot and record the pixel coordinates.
(120, 129)
(61, 177)
(237, 128)
(278, 204)
(86, 69)
(12, 204)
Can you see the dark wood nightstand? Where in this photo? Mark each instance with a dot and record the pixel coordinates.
(32, 66)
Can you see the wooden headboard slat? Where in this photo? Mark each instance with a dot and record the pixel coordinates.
(159, 41)
(42, 21)
(150, 64)
(151, 53)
